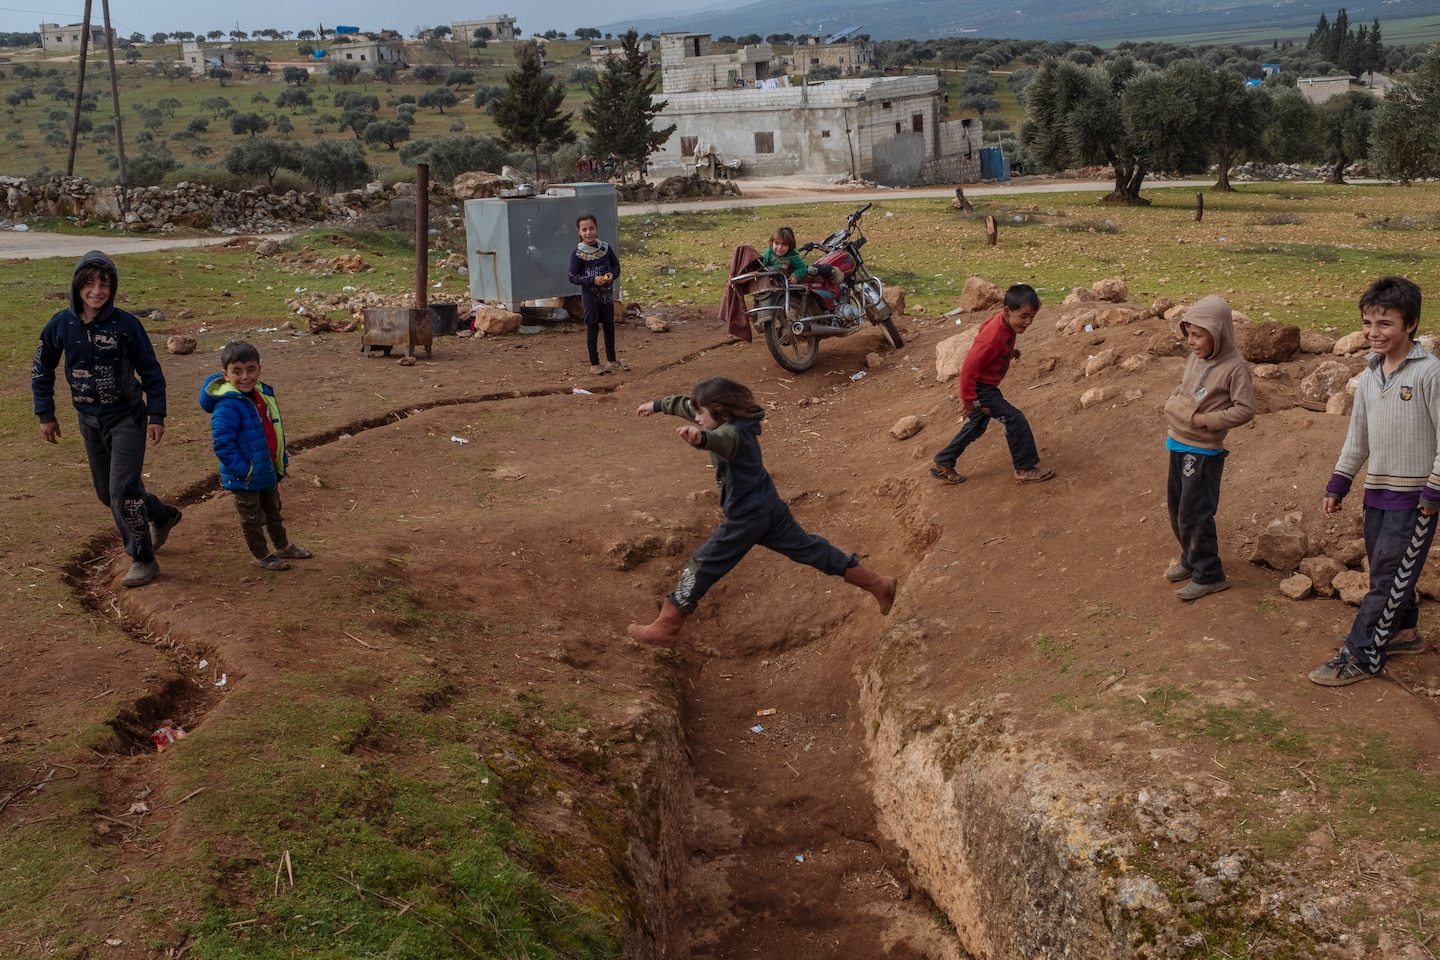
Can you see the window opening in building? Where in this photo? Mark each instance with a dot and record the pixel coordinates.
(765, 142)
(687, 146)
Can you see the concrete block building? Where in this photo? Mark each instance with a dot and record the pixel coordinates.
(600, 52)
(201, 57)
(688, 64)
(851, 56)
(55, 38)
(366, 53)
(500, 25)
(886, 129)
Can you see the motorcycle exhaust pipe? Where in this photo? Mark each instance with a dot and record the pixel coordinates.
(804, 328)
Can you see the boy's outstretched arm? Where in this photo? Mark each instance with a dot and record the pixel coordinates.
(678, 405)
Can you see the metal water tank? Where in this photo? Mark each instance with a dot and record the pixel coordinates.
(518, 248)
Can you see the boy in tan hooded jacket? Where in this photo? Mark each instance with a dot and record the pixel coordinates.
(1214, 395)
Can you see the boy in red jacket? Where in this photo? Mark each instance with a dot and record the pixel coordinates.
(985, 366)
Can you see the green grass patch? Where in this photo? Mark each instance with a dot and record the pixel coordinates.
(400, 843)
(1279, 251)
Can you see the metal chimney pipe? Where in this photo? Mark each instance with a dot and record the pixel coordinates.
(422, 235)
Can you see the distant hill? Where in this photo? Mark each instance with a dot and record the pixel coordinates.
(1077, 20)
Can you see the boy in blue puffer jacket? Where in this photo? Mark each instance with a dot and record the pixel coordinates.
(249, 439)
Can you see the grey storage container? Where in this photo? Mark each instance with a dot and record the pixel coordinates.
(519, 248)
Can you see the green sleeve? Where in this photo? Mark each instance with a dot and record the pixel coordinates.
(678, 405)
(723, 441)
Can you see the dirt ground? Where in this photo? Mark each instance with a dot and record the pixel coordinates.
(562, 516)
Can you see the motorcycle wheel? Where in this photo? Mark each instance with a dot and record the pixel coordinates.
(796, 354)
(892, 333)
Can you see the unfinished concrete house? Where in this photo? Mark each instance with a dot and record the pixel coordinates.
(55, 38)
(886, 129)
(850, 56)
(201, 57)
(367, 53)
(500, 25)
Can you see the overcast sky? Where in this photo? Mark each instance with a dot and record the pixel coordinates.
(153, 16)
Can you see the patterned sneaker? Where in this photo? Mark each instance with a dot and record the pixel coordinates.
(596, 370)
(1341, 670)
(618, 365)
(1415, 643)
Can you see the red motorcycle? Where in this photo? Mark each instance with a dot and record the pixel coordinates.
(835, 297)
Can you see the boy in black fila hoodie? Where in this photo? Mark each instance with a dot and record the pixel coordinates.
(118, 389)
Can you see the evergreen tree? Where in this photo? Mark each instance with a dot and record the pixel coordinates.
(1375, 49)
(622, 108)
(1319, 41)
(1339, 35)
(528, 113)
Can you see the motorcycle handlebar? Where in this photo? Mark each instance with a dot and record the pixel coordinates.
(858, 213)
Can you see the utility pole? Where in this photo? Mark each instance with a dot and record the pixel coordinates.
(114, 99)
(79, 91)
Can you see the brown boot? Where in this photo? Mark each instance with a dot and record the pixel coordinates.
(881, 588)
(665, 631)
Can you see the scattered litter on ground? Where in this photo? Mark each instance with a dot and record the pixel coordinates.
(458, 440)
(767, 712)
(757, 729)
(203, 664)
(799, 858)
(581, 391)
(224, 679)
(531, 328)
(858, 375)
(166, 734)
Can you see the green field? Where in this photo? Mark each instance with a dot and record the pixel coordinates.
(1401, 32)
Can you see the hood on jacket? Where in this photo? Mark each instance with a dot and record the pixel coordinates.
(107, 266)
(1212, 314)
(217, 388)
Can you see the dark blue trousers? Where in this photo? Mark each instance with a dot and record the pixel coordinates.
(776, 530)
(1397, 542)
(990, 405)
(1194, 496)
(598, 317)
(116, 451)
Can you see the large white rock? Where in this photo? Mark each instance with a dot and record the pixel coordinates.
(950, 353)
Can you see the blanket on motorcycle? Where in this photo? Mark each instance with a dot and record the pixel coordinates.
(732, 307)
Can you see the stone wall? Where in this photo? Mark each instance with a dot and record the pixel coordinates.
(187, 204)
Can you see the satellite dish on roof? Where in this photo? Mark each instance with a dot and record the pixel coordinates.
(837, 37)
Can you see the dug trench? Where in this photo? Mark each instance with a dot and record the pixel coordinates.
(1039, 752)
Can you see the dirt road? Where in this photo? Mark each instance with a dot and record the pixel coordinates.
(36, 244)
(774, 191)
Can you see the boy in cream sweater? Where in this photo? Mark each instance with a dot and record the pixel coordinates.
(1393, 431)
